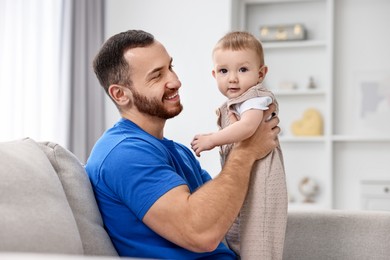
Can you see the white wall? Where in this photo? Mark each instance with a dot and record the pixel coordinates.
(189, 30)
(362, 51)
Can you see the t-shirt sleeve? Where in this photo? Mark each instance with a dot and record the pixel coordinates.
(206, 176)
(194, 163)
(261, 103)
(139, 175)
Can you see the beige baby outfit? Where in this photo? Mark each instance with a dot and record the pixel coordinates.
(258, 232)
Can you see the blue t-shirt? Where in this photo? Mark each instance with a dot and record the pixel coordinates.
(129, 170)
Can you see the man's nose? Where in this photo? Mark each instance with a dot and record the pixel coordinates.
(174, 81)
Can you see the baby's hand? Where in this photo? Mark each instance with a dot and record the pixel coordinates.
(202, 143)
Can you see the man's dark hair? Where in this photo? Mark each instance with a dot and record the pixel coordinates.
(110, 65)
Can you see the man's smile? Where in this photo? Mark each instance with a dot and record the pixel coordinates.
(172, 96)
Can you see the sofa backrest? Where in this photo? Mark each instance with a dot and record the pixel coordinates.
(47, 203)
(338, 235)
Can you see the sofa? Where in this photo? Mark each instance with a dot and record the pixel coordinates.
(48, 211)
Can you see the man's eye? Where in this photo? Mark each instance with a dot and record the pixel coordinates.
(171, 67)
(157, 75)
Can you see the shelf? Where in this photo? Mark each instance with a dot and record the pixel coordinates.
(293, 44)
(276, 1)
(334, 138)
(299, 92)
(352, 138)
(301, 139)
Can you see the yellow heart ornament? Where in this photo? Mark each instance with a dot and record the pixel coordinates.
(310, 124)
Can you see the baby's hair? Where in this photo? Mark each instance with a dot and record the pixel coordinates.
(240, 40)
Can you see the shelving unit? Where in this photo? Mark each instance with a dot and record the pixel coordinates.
(350, 150)
(294, 62)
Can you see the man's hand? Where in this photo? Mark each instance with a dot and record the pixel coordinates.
(265, 138)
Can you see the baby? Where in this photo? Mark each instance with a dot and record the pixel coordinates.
(239, 69)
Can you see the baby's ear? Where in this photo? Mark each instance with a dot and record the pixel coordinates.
(263, 72)
(213, 73)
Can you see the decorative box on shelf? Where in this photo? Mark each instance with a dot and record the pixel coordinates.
(375, 194)
(290, 32)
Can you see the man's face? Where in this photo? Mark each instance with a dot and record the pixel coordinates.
(155, 88)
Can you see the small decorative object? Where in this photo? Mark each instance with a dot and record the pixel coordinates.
(312, 84)
(309, 189)
(290, 32)
(287, 85)
(310, 125)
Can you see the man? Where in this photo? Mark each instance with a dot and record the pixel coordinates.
(155, 199)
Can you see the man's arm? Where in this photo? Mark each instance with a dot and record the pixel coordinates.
(199, 221)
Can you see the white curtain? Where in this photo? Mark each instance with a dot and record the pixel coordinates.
(30, 93)
(47, 87)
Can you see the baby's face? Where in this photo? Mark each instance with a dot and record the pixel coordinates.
(236, 71)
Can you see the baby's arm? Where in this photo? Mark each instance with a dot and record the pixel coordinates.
(233, 133)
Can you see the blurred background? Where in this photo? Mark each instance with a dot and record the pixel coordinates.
(338, 73)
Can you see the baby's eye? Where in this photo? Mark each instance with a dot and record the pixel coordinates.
(223, 71)
(171, 67)
(243, 69)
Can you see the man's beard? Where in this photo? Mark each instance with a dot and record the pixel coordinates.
(154, 107)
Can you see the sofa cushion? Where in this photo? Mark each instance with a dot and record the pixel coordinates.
(35, 215)
(79, 193)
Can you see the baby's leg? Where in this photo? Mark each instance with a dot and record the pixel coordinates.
(263, 217)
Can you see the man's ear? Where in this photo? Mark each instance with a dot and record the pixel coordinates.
(120, 94)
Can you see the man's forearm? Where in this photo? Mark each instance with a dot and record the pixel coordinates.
(219, 201)
(216, 204)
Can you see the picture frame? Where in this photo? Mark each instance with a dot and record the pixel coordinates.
(372, 103)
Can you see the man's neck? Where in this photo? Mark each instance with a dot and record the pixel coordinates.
(150, 124)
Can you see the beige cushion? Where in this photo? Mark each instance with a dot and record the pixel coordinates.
(34, 213)
(80, 196)
(47, 203)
